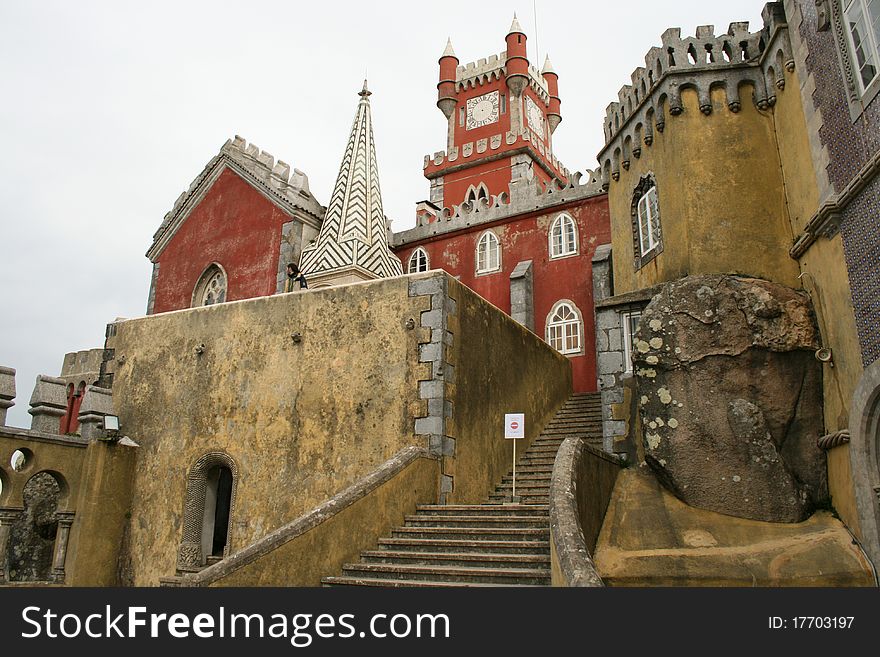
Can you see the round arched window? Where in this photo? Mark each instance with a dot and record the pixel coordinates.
(211, 287)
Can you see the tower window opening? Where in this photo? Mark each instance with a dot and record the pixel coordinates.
(418, 261)
(488, 253)
(564, 328)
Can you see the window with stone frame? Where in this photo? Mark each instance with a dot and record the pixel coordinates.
(856, 27)
(645, 212)
(563, 237)
(418, 261)
(488, 253)
(630, 324)
(565, 328)
(211, 287)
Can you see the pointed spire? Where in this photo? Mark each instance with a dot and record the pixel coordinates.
(353, 242)
(449, 52)
(515, 27)
(548, 67)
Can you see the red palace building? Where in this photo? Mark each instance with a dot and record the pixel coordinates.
(504, 216)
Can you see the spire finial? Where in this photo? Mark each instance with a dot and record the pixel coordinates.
(548, 67)
(449, 52)
(515, 27)
(364, 93)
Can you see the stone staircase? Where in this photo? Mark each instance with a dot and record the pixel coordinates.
(498, 543)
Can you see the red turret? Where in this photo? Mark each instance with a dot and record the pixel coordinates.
(554, 117)
(446, 96)
(517, 59)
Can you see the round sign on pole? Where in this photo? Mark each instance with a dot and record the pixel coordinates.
(514, 426)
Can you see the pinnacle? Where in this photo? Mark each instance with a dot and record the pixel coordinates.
(548, 67)
(364, 93)
(515, 27)
(449, 52)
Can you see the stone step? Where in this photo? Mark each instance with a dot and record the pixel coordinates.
(542, 449)
(534, 469)
(487, 521)
(522, 477)
(536, 547)
(480, 509)
(534, 576)
(397, 583)
(473, 533)
(526, 486)
(468, 559)
(525, 498)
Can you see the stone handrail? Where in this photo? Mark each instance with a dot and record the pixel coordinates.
(580, 489)
(290, 545)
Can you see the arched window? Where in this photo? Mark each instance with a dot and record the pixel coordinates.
(645, 211)
(488, 253)
(418, 261)
(211, 287)
(563, 237)
(208, 511)
(476, 193)
(565, 328)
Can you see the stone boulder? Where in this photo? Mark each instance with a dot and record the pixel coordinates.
(730, 396)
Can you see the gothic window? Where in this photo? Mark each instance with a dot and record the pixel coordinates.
(488, 253)
(862, 19)
(418, 261)
(563, 237)
(630, 321)
(647, 237)
(565, 328)
(211, 287)
(476, 193)
(208, 510)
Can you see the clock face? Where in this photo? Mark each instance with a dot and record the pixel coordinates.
(482, 110)
(535, 116)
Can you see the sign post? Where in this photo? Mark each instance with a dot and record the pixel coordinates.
(514, 429)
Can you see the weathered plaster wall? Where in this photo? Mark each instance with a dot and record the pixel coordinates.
(500, 367)
(301, 420)
(734, 221)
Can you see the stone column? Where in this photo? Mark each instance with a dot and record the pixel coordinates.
(7, 392)
(48, 404)
(65, 520)
(522, 305)
(97, 402)
(7, 517)
(189, 554)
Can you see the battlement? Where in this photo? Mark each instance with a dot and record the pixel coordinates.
(500, 143)
(274, 178)
(494, 67)
(524, 196)
(701, 62)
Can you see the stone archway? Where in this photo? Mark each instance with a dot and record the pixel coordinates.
(864, 451)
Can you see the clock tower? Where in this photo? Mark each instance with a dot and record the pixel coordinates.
(501, 113)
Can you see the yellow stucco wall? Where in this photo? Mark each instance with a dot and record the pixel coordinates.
(301, 421)
(722, 205)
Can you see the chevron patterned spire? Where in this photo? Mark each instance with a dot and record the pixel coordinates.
(353, 242)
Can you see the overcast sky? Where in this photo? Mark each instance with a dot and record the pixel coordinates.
(108, 110)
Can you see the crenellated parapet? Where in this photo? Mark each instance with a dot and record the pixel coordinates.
(701, 63)
(494, 67)
(524, 197)
(275, 179)
(439, 163)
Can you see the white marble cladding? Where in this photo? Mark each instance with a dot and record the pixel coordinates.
(524, 196)
(701, 62)
(493, 67)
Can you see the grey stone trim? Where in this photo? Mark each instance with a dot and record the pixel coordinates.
(7, 392)
(289, 251)
(629, 298)
(702, 62)
(48, 404)
(273, 180)
(826, 221)
(97, 403)
(433, 427)
(151, 299)
(566, 532)
(522, 303)
(864, 454)
(42, 437)
(320, 514)
(525, 196)
(857, 100)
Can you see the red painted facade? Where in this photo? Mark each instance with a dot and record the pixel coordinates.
(526, 237)
(233, 226)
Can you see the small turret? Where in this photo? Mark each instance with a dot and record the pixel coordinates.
(554, 116)
(517, 59)
(446, 96)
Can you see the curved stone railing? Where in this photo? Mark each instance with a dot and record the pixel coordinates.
(580, 489)
(319, 542)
